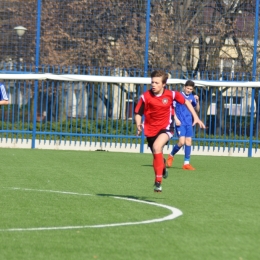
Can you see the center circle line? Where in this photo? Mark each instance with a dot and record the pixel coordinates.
(174, 213)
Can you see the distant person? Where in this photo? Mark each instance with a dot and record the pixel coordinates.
(156, 105)
(184, 125)
(4, 100)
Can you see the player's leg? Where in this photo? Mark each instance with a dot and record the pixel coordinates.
(187, 149)
(158, 161)
(157, 185)
(165, 171)
(180, 130)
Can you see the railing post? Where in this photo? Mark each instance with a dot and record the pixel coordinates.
(146, 58)
(37, 56)
(250, 148)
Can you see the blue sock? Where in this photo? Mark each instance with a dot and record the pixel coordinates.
(187, 152)
(175, 149)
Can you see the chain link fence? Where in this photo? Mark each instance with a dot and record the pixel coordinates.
(189, 38)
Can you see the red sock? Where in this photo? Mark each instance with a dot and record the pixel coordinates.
(158, 166)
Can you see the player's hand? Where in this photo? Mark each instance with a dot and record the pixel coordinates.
(196, 98)
(199, 122)
(139, 129)
(177, 122)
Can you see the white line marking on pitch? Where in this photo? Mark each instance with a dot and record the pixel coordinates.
(174, 214)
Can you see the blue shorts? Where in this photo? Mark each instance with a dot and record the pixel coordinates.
(184, 130)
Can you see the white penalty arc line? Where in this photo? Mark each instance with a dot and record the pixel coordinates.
(174, 214)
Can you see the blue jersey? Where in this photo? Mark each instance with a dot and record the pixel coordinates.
(3, 95)
(182, 112)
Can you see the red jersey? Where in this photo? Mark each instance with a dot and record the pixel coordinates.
(157, 110)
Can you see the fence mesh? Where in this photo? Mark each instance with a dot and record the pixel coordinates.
(187, 36)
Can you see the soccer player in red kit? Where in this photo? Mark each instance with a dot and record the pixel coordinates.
(156, 105)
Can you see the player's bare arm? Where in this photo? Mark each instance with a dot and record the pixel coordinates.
(196, 119)
(177, 121)
(4, 102)
(197, 108)
(138, 122)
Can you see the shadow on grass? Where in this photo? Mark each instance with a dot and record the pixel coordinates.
(129, 197)
(172, 167)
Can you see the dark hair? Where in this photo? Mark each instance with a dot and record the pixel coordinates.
(160, 73)
(189, 83)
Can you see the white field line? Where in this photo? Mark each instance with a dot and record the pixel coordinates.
(174, 214)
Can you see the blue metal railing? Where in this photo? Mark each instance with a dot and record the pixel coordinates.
(104, 113)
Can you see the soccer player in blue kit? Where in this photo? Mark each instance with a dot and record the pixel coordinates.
(3, 95)
(183, 124)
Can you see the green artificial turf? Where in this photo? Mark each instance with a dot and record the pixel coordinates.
(77, 191)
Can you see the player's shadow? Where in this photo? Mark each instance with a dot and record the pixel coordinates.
(172, 167)
(128, 197)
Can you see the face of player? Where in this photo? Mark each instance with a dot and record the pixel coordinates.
(187, 90)
(157, 85)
